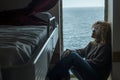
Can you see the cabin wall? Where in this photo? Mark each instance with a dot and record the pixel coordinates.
(114, 18)
(116, 25)
(57, 12)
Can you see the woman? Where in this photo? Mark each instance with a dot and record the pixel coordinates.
(93, 62)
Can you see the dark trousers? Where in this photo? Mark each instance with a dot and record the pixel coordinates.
(72, 60)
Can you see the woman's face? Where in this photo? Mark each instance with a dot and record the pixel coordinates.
(96, 32)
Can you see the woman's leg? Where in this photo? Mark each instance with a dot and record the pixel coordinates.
(82, 67)
(61, 69)
(59, 72)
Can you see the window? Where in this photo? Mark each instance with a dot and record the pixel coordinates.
(78, 17)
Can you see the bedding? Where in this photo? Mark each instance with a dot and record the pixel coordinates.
(18, 43)
(30, 6)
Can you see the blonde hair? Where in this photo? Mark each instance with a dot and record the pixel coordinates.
(105, 31)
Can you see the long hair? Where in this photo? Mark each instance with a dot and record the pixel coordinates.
(105, 31)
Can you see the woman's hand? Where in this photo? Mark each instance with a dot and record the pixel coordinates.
(66, 52)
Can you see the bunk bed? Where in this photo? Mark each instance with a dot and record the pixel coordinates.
(28, 37)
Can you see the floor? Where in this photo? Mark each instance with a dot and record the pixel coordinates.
(73, 79)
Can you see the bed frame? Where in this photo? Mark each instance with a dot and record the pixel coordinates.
(36, 68)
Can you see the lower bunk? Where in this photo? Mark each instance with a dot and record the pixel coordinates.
(18, 61)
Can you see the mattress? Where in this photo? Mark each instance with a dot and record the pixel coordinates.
(18, 43)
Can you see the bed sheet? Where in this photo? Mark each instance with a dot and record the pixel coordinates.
(17, 43)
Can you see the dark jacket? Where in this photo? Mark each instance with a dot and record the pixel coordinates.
(99, 57)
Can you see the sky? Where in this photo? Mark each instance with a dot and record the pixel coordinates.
(83, 3)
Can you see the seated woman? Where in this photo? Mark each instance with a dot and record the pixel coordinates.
(93, 62)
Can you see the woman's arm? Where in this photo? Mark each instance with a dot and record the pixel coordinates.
(84, 51)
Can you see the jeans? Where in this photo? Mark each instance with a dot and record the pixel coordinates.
(72, 60)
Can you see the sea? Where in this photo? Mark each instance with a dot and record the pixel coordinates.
(77, 25)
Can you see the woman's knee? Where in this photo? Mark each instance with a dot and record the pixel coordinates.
(75, 56)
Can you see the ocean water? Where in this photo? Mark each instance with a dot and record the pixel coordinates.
(77, 23)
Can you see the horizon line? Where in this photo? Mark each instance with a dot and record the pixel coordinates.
(82, 6)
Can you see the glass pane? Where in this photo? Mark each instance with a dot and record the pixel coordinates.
(78, 17)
